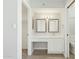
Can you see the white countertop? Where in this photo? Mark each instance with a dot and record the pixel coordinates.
(46, 37)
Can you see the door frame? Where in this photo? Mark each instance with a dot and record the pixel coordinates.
(19, 26)
(66, 54)
(19, 29)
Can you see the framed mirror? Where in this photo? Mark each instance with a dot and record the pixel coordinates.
(53, 25)
(40, 25)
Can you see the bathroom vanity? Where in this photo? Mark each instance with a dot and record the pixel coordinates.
(53, 45)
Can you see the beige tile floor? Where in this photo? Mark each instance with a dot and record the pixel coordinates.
(43, 55)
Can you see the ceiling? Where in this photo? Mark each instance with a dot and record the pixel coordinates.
(47, 3)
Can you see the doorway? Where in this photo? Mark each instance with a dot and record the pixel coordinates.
(25, 37)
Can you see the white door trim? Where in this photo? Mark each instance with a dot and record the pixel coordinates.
(19, 29)
(19, 26)
(66, 29)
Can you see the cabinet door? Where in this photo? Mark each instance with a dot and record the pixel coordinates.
(55, 46)
(9, 29)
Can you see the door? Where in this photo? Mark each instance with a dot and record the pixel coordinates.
(10, 29)
(70, 27)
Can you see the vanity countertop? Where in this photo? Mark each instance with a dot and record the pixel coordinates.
(46, 37)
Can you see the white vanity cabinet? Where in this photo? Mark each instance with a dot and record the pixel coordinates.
(56, 46)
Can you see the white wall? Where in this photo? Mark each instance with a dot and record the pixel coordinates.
(52, 13)
(10, 30)
(24, 35)
(24, 27)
